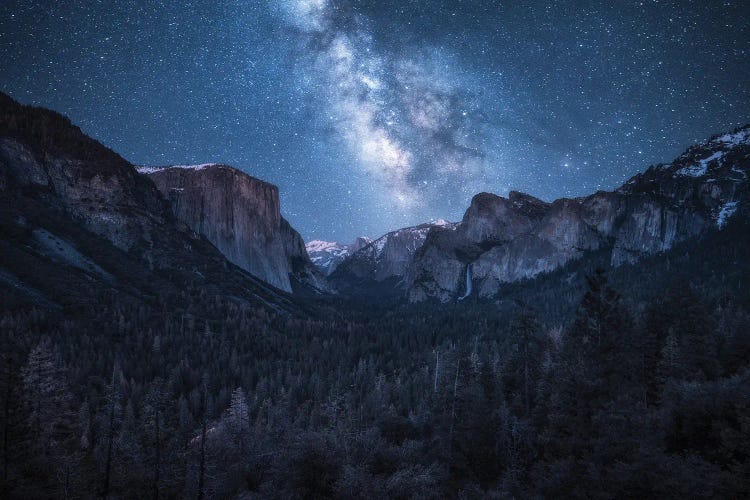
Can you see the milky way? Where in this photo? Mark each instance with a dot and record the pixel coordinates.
(375, 114)
(408, 121)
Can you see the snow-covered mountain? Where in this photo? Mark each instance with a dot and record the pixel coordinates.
(327, 255)
(383, 263)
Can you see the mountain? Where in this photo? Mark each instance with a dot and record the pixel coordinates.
(66, 196)
(241, 216)
(134, 353)
(380, 266)
(327, 255)
(79, 223)
(502, 240)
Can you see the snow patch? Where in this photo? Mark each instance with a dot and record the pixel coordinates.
(327, 255)
(417, 236)
(321, 246)
(700, 169)
(741, 137)
(727, 210)
(151, 170)
(440, 222)
(194, 167)
(379, 244)
(147, 170)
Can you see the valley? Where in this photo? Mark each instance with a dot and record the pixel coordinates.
(166, 332)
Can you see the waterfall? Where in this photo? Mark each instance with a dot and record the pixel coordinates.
(468, 282)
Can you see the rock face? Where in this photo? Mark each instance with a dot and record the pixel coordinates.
(241, 216)
(79, 221)
(42, 151)
(327, 255)
(381, 265)
(502, 240)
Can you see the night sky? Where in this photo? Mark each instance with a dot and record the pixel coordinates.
(375, 114)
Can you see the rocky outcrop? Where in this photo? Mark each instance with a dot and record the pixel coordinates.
(509, 239)
(382, 265)
(327, 255)
(241, 216)
(304, 276)
(40, 150)
(79, 223)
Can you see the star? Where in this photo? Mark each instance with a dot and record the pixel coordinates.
(374, 115)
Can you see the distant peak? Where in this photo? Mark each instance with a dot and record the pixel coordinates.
(359, 243)
(439, 222)
(321, 245)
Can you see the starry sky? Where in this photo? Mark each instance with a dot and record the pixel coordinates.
(376, 114)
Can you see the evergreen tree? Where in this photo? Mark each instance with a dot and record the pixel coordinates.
(51, 418)
(595, 368)
(13, 420)
(523, 363)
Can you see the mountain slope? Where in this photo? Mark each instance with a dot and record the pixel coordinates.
(327, 255)
(78, 221)
(503, 240)
(380, 266)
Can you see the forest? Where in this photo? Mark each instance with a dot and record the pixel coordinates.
(588, 382)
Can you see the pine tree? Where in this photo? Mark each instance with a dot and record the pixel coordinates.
(671, 364)
(652, 336)
(601, 340)
(51, 418)
(14, 433)
(238, 418)
(595, 366)
(523, 363)
(204, 409)
(110, 432)
(153, 419)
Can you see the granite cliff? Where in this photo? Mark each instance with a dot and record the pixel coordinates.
(501, 240)
(381, 266)
(241, 216)
(165, 218)
(79, 222)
